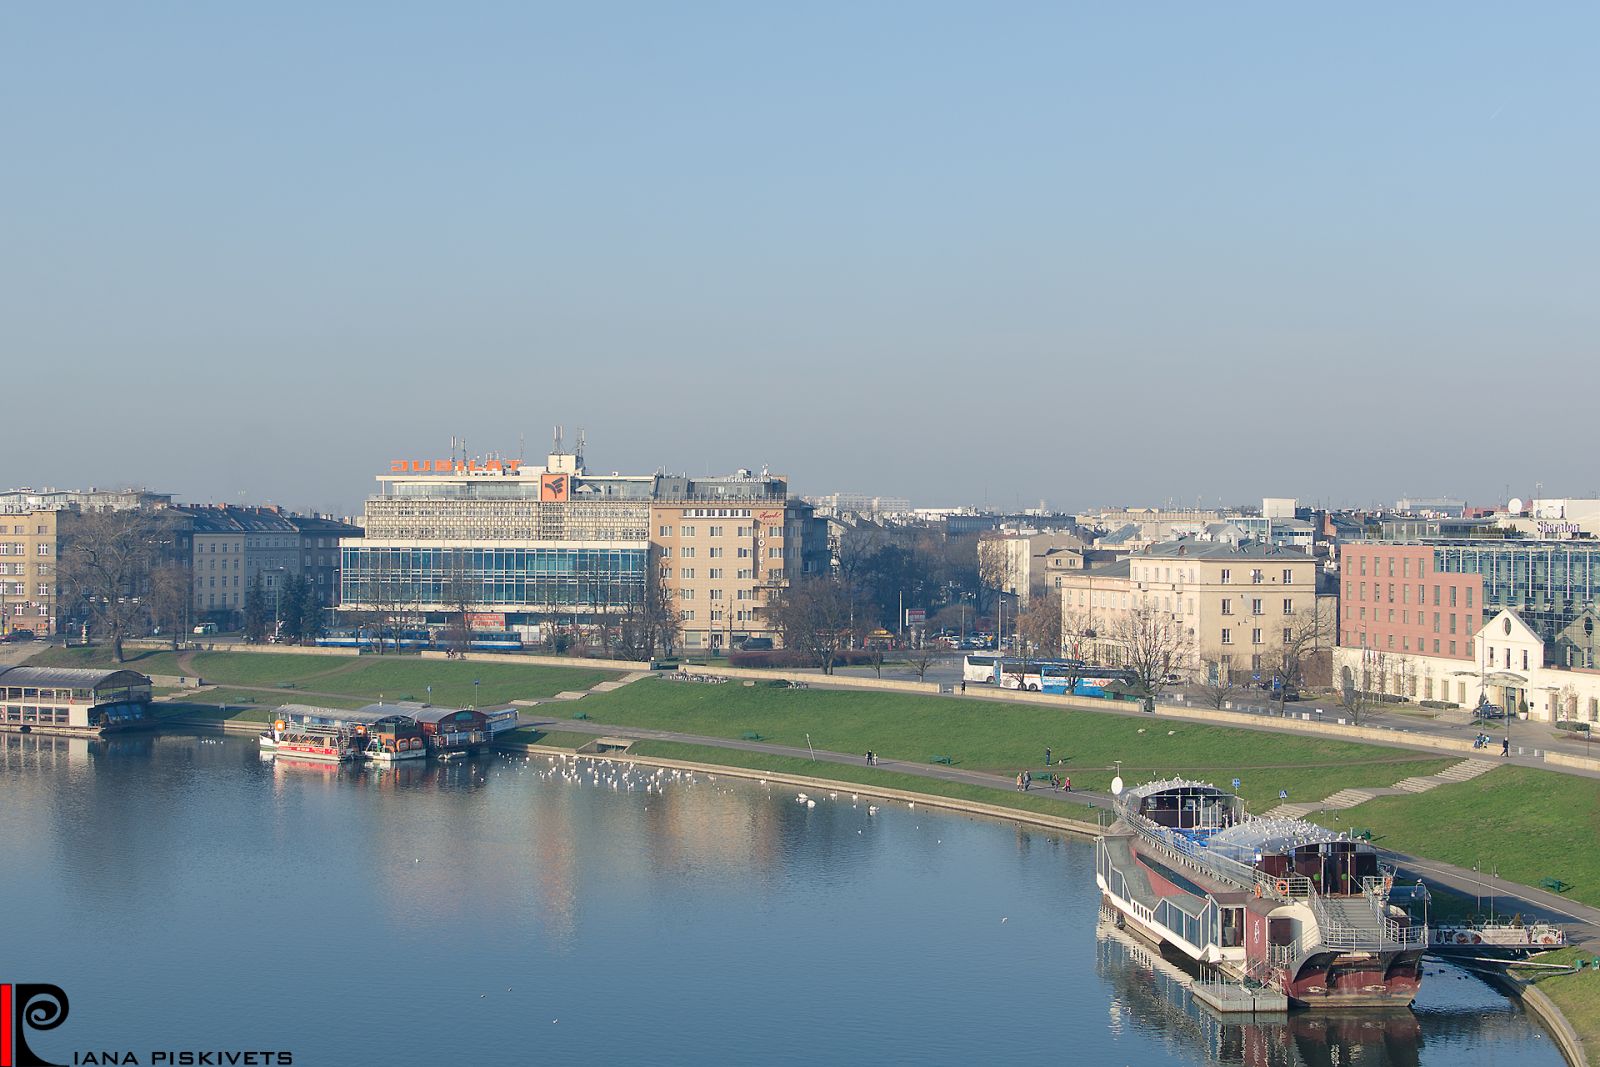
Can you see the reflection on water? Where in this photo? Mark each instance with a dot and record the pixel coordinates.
(1457, 1019)
(184, 890)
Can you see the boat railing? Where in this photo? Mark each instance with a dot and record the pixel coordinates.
(1185, 851)
(1382, 935)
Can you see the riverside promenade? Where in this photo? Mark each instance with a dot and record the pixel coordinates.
(1583, 921)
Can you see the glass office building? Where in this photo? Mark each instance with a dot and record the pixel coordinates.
(1550, 584)
(592, 580)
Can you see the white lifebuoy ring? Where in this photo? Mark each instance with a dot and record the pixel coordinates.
(1461, 939)
(1282, 886)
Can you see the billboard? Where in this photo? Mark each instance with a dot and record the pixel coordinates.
(486, 620)
(554, 486)
(916, 617)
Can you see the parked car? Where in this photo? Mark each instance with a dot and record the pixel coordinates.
(16, 636)
(1491, 711)
(206, 628)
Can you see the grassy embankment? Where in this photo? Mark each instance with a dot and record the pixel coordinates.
(1043, 802)
(1004, 738)
(1520, 822)
(1576, 993)
(360, 679)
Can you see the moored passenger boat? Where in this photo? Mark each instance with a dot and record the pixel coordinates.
(335, 746)
(1286, 903)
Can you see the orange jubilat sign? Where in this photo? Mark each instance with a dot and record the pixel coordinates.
(451, 466)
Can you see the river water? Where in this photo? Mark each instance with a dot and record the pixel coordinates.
(187, 894)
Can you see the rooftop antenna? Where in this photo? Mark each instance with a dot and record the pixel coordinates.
(557, 447)
(578, 456)
(522, 448)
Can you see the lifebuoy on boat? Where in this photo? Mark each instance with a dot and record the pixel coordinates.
(1461, 939)
(1282, 886)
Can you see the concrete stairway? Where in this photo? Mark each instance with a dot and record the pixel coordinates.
(1464, 771)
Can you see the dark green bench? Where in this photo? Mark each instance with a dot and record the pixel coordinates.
(946, 760)
(1555, 885)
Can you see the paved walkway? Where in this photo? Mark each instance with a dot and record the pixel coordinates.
(1464, 771)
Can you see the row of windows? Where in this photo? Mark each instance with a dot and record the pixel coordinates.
(1358, 638)
(1256, 606)
(1467, 622)
(511, 577)
(22, 568)
(1256, 636)
(12, 548)
(1380, 593)
(720, 531)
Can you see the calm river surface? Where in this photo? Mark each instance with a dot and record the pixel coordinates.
(188, 895)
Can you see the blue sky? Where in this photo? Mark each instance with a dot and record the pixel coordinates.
(1087, 253)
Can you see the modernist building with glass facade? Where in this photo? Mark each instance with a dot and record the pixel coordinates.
(554, 544)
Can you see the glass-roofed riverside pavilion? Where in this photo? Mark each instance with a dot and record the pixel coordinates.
(72, 700)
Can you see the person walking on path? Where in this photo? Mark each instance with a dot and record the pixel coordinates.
(1027, 780)
(963, 685)
(1505, 746)
(1019, 781)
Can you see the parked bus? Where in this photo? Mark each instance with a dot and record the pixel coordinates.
(1008, 672)
(1046, 676)
(978, 669)
(1107, 682)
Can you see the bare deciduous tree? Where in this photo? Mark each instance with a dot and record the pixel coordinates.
(921, 657)
(107, 558)
(1303, 638)
(460, 594)
(650, 625)
(1152, 642)
(816, 616)
(169, 599)
(1040, 625)
(1219, 685)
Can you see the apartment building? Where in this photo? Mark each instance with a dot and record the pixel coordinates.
(232, 545)
(1236, 604)
(29, 550)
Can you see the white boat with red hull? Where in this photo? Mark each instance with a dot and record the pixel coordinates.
(1281, 902)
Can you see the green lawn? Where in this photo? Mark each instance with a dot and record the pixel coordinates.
(265, 668)
(1005, 738)
(566, 741)
(216, 713)
(367, 677)
(141, 660)
(409, 677)
(270, 698)
(1577, 994)
(1526, 824)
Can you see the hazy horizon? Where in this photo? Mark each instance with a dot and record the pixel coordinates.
(960, 254)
